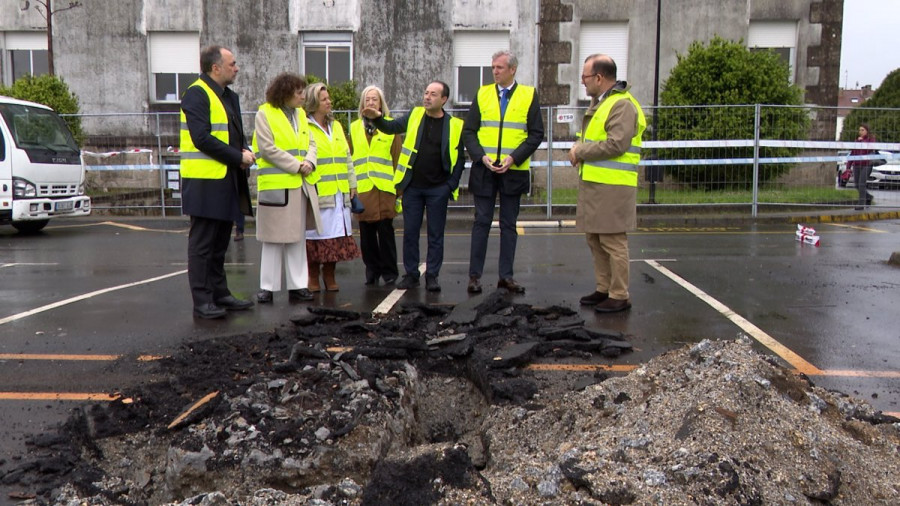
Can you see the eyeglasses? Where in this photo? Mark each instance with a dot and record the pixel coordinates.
(583, 77)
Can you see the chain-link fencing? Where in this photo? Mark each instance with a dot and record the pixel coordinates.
(753, 158)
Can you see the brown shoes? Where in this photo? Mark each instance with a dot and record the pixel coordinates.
(594, 298)
(511, 285)
(474, 285)
(612, 305)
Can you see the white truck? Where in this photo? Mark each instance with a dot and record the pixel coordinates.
(41, 169)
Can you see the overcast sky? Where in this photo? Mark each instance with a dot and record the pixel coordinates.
(869, 49)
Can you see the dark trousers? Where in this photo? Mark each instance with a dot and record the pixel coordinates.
(207, 243)
(379, 248)
(860, 177)
(484, 215)
(419, 203)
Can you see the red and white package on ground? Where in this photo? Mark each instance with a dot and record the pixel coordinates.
(802, 229)
(808, 239)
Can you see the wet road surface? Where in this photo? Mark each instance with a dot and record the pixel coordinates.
(84, 293)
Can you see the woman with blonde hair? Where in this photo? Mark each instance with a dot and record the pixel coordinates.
(375, 156)
(335, 187)
(287, 201)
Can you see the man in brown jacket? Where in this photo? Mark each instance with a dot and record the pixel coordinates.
(607, 157)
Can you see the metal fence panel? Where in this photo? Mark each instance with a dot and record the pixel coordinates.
(747, 156)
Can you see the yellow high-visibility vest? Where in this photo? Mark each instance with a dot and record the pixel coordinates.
(295, 142)
(515, 122)
(623, 169)
(409, 144)
(373, 163)
(194, 163)
(331, 158)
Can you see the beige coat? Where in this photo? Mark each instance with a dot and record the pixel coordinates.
(282, 224)
(607, 209)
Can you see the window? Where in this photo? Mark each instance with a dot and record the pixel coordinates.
(327, 55)
(609, 38)
(778, 36)
(174, 64)
(26, 54)
(472, 61)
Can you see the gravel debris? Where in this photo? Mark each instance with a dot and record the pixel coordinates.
(432, 405)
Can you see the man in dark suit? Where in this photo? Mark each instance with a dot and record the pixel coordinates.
(214, 160)
(504, 127)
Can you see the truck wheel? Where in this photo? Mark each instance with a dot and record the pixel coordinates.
(30, 227)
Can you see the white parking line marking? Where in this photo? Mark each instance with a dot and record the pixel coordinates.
(85, 296)
(766, 340)
(388, 303)
(16, 264)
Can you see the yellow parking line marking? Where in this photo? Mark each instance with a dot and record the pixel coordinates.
(796, 361)
(520, 230)
(141, 229)
(74, 357)
(85, 296)
(859, 374)
(56, 396)
(858, 227)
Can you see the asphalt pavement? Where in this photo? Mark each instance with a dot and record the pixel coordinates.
(87, 298)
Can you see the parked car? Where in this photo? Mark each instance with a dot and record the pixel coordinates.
(886, 175)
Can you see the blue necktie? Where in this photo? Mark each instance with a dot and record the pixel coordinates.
(504, 100)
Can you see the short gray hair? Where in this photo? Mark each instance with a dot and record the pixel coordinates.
(510, 57)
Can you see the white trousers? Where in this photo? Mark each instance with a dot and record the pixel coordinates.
(292, 256)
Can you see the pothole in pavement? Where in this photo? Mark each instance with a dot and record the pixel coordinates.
(432, 405)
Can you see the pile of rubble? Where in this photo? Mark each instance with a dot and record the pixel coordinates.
(431, 405)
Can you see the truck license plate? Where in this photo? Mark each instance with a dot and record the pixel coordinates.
(64, 206)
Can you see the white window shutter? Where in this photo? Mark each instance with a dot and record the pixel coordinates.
(174, 53)
(609, 38)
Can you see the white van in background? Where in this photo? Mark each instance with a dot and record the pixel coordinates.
(41, 170)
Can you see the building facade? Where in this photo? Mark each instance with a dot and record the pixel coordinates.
(139, 55)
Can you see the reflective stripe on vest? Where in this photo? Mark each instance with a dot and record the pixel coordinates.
(621, 170)
(373, 162)
(407, 152)
(331, 160)
(514, 122)
(294, 142)
(195, 164)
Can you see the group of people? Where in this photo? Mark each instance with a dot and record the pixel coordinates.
(310, 170)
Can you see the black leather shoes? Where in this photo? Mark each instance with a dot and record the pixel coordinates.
(431, 284)
(390, 280)
(612, 306)
(301, 295)
(594, 298)
(264, 296)
(511, 285)
(209, 311)
(474, 285)
(408, 282)
(232, 303)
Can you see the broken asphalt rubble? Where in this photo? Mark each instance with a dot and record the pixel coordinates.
(433, 405)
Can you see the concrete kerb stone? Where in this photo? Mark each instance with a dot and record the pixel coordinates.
(459, 220)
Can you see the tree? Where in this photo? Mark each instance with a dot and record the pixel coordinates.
(47, 12)
(53, 92)
(885, 125)
(728, 73)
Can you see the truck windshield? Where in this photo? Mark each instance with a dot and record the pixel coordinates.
(34, 128)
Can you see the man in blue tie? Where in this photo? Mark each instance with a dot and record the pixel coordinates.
(503, 128)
